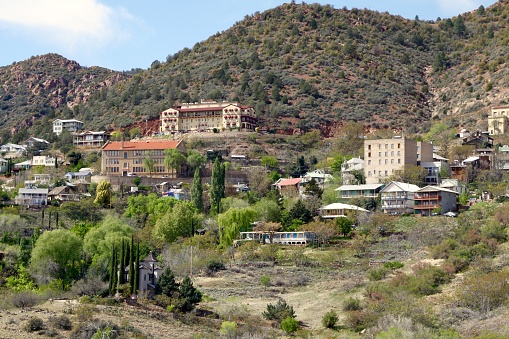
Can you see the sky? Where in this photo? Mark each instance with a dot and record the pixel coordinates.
(126, 34)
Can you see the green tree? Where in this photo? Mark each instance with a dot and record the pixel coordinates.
(268, 210)
(166, 284)
(103, 193)
(195, 159)
(344, 225)
(149, 164)
(313, 189)
(56, 253)
(232, 222)
(459, 27)
(269, 162)
(197, 191)
(174, 159)
(190, 294)
(216, 186)
(180, 221)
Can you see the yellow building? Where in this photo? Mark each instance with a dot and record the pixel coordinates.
(498, 122)
(207, 116)
(127, 158)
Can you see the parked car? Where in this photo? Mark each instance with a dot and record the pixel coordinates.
(131, 174)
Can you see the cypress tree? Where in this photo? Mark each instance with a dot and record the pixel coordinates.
(136, 267)
(56, 219)
(127, 257)
(215, 186)
(121, 261)
(131, 267)
(197, 191)
(112, 270)
(49, 222)
(222, 176)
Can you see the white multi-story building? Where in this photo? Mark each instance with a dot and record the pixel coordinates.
(398, 198)
(71, 125)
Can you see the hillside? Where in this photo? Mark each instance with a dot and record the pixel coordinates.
(299, 65)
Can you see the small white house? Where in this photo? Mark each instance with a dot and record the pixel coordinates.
(71, 125)
(337, 210)
(398, 198)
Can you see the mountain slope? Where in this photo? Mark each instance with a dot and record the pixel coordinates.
(305, 66)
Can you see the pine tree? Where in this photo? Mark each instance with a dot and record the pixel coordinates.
(197, 191)
(189, 295)
(166, 284)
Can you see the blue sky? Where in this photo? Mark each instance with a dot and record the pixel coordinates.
(125, 34)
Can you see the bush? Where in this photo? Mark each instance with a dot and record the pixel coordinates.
(228, 329)
(483, 292)
(62, 322)
(24, 299)
(34, 324)
(215, 266)
(393, 265)
(376, 274)
(289, 325)
(279, 311)
(330, 319)
(352, 304)
(265, 280)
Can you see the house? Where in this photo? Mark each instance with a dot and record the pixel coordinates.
(282, 238)
(34, 143)
(80, 176)
(64, 193)
(43, 179)
(4, 164)
(478, 139)
(432, 172)
(359, 191)
(349, 168)
(150, 271)
(497, 120)
(24, 165)
(120, 158)
(70, 125)
(501, 160)
(43, 160)
(319, 175)
(384, 156)
(398, 198)
(32, 196)
(459, 171)
(288, 187)
(12, 150)
(432, 199)
(337, 210)
(454, 185)
(90, 139)
(207, 116)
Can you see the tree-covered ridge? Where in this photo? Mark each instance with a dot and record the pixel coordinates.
(299, 65)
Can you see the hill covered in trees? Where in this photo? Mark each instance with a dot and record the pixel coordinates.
(300, 65)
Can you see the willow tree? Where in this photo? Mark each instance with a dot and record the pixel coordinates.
(180, 221)
(234, 221)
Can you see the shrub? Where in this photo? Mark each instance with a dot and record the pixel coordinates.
(265, 280)
(378, 273)
(393, 265)
(289, 325)
(228, 329)
(215, 266)
(24, 299)
(34, 324)
(62, 322)
(279, 311)
(483, 292)
(352, 304)
(330, 319)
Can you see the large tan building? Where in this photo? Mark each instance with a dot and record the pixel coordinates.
(127, 158)
(207, 116)
(384, 156)
(498, 121)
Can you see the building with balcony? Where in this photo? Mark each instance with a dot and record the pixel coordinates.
(498, 122)
(32, 196)
(207, 116)
(43, 160)
(432, 199)
(70, 125)
(384, 156)
(282, 238)
(398, 198)
(349, 168)
(338, 210)
(128, 158)
(90, 139)
(347, 192)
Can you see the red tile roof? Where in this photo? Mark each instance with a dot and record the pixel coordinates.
(289, 182)
(142, 145)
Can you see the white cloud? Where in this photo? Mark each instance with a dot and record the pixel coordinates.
(68, 24)
(455, 7)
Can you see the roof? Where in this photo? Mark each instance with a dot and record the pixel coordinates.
(288, 182)
(33, 190)
(401, 185)
(359, 187)
(57, 190)
(438, 157)
(150, 257)
(339, 205)
(38, 140)
(89, 132)
(141, 145)
(436, 188)
(471, 159)
(68, 120)
(355, 161)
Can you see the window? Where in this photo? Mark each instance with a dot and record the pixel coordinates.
(392, 161)
(385, 173)
(125, 155)
(399, 146)
(379, 161)
(399, 153)
(392, 153)
(369, 162)
(379, 154)
(392, 146)
(399, 161)
(386, 146)
(386, 161)
(386, 154)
